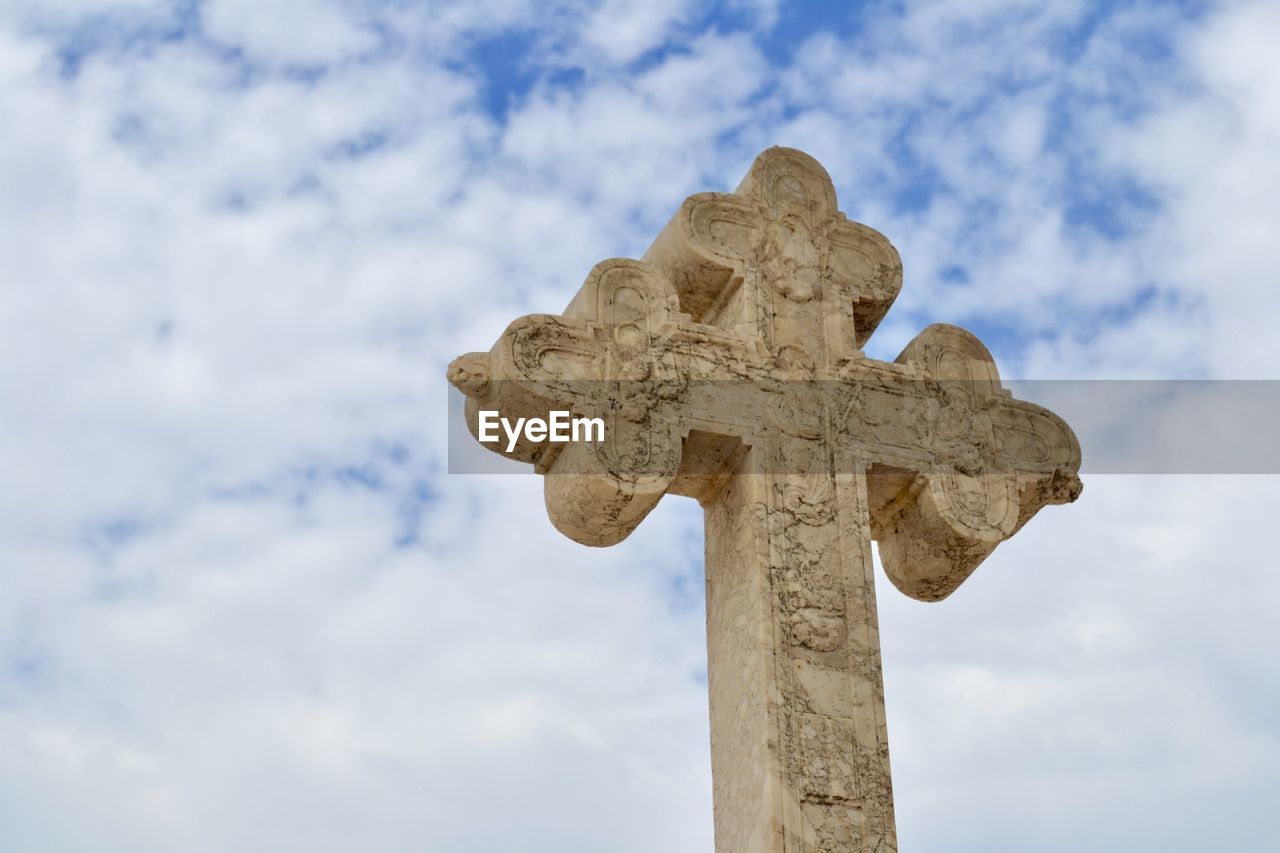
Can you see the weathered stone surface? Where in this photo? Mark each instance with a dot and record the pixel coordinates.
(727, 367)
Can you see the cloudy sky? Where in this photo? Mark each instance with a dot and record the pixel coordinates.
(244, 608)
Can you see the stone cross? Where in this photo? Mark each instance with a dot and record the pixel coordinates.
(726, 365)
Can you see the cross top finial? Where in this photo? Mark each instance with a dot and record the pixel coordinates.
(776, 261)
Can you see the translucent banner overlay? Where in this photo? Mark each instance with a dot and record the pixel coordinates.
(1123, 426)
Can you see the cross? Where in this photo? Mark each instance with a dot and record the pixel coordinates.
(727, 367)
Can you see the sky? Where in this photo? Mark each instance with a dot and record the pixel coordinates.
(243, 607)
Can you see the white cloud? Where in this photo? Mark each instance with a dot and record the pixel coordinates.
(1212, 156)
(623, 31)
(304, 32)
(1091, 668)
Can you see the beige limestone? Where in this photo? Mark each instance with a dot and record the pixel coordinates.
(727, 366)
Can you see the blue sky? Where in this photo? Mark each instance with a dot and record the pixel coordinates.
(242, 607)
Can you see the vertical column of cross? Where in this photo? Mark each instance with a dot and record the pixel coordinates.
(833, 749)
(799, 746)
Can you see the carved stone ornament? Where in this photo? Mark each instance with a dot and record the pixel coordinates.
(727, 367)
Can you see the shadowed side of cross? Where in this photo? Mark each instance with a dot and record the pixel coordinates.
(727, 367)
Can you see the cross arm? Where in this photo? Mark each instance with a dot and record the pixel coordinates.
(593, 360)
(985, 464)
(540, 363)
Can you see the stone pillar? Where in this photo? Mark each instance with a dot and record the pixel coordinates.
(799, 746)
